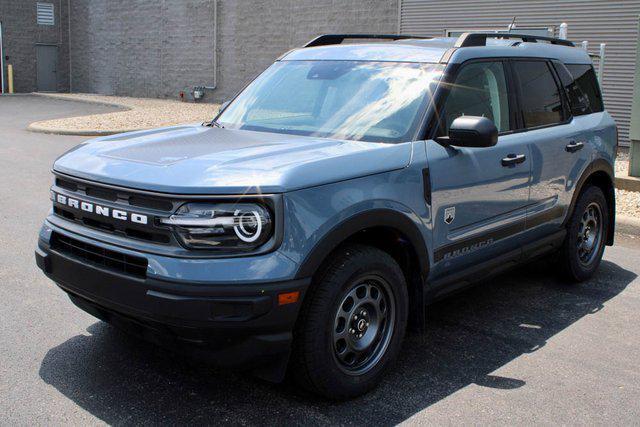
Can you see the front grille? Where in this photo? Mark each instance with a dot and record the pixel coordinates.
(112, 195)
(117, 199)
(132, 233)
(96, 255)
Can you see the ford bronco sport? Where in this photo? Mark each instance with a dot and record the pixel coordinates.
(341, 191)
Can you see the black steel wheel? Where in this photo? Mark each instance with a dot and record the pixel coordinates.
(351, 324)
(364, 324)
(590, 230)
(587, 231)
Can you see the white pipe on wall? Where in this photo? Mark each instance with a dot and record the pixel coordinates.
(601, 62)
(564, 29)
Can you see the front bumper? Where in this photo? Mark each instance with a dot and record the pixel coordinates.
(238, 325)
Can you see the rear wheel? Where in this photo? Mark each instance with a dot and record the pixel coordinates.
(587, 233)
(351, 325)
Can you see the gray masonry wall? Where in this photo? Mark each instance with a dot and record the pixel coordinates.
(21, 33)
(253, 33)
(157, 48)
(145, 48)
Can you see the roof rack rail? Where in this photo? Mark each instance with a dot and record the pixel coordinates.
(328, 39)
(480, 39)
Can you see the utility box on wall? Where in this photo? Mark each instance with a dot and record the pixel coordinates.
(634, 131)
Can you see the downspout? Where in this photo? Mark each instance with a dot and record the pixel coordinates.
(215, 44)
(198, 91)
(69, 42)
(1, 60)
(215, 47)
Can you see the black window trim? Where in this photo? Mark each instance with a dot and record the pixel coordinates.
(566, 110)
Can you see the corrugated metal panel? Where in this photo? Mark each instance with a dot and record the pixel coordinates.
(45, 14)
(598, 21)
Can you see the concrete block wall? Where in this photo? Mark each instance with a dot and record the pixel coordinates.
(156, 48)
(21, 34)
(253, 33)
(145, 48)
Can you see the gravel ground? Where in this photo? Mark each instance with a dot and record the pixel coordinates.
(622, 162)
(627, 202)
(139, 113)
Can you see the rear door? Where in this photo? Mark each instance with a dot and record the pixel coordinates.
(559, 151)
(478, 203)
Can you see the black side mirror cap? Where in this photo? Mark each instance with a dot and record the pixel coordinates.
(471, 131)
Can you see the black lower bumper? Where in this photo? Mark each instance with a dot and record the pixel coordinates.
(240, 325)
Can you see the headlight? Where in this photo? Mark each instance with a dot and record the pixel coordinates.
(222, 226)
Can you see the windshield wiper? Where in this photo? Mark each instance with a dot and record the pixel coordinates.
(213, 123)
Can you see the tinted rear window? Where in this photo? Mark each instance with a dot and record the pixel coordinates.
(540, 97)
(585, 97)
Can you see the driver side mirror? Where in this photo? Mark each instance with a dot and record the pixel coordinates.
(471, 131)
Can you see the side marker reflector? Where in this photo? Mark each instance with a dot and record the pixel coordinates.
(288, 298)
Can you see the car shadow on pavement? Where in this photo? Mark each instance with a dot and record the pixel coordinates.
(121, 380)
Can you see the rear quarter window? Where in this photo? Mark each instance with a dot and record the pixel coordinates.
(584, 91)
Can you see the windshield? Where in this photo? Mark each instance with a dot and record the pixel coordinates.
(353, 100)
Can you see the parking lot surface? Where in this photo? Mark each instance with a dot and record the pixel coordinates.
(524, 348)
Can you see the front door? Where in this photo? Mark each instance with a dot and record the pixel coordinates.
(47, 63)
(479, 201)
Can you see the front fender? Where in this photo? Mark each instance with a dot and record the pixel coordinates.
(379, 217)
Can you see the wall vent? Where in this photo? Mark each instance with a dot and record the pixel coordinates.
(45, 14)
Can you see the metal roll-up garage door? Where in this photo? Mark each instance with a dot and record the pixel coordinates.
(612, 22)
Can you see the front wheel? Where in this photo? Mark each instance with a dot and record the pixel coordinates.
(587, 232)
(351, 325)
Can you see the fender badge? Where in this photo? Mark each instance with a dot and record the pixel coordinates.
(449, 214)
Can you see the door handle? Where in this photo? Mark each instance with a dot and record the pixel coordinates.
(513, 159)
(573, 146)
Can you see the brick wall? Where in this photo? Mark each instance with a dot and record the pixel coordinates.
(21, 34)
(156, 48)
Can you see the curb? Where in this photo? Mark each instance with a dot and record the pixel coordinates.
(628, 183)
(63, 97)
(34, 127)
(627, 225)
(40, 126)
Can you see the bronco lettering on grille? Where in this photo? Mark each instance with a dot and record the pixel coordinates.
(99, 209)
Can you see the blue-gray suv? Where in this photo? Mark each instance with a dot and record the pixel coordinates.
(306, 226)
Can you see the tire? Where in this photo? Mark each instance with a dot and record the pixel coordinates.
(587, 232)
(356, 278)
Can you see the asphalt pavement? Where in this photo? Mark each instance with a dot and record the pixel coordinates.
(524, 348)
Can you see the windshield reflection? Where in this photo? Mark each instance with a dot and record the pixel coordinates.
(352, 100)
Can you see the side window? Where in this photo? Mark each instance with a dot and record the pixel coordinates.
(480, 89)
(590, 100)
(539, 94)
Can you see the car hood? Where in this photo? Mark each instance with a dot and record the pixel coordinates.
(198, 159)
